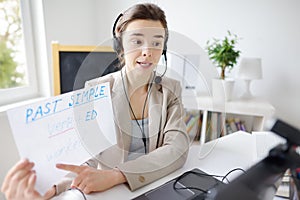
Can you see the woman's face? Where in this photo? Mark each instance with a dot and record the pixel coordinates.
(143, 43)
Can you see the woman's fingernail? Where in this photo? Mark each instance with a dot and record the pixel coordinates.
(23, 160)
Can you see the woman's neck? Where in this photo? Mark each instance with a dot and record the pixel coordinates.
(137, 83)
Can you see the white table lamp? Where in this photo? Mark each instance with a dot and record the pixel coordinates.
(249, 69)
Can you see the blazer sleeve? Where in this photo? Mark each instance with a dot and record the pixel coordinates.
(172, 153)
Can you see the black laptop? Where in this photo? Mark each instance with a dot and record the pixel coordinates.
(194, 184)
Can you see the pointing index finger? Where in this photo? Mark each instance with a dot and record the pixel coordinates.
(72, 168)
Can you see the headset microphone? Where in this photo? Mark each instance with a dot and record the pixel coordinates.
(158, 79)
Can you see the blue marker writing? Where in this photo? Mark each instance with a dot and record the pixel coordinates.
(88, 95)
(41, 111)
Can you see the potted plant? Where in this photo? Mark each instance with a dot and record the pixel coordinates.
(224, 55)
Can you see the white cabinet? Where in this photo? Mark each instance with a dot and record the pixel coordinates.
(252, 112)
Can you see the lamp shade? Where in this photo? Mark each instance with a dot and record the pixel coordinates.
(250, 69)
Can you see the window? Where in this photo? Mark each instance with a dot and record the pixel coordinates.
(18, 79)
(12, 57)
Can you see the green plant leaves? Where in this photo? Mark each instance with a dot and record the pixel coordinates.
(223, 53)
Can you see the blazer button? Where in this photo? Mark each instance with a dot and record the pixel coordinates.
(142, 179)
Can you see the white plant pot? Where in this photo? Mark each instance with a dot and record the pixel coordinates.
(222, 89)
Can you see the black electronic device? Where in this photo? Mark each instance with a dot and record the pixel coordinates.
(258, 183)
(193, 184)
(287, 131)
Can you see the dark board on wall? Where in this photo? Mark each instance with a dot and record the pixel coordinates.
(78, 67)
(74, 65)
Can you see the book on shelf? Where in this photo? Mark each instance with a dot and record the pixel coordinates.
(193, 123)
(218, 125)
(221, 124)
(215, 126)
(234, 124)
(228, 128)
(208, 128)
(209, 125)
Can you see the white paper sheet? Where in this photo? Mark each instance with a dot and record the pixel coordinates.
(69, 128)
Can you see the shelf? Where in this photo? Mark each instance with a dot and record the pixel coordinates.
(253, 107)
(252, 114)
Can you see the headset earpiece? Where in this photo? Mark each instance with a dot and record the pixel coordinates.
(117, 44)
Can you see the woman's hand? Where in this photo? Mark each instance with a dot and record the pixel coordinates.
(20, 181)
(92, 180)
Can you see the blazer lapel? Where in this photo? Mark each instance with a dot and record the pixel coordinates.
(154, 114)
(121, 111)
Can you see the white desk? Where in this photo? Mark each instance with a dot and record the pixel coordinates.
(216, 157)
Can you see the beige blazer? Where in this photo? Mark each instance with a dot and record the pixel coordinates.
(168, 140)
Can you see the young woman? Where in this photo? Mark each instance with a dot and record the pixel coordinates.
(151, 135)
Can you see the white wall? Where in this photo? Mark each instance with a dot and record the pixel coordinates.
(69, 22)
(8, 154)
(269, 28)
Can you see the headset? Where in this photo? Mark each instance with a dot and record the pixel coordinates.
(117, 45)
(141, 127)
